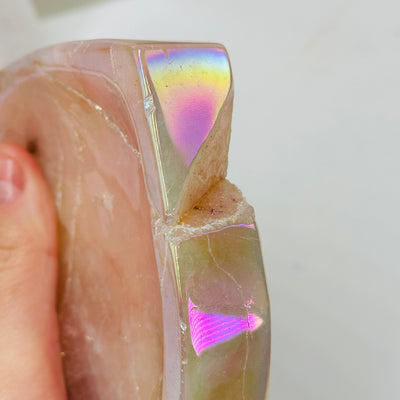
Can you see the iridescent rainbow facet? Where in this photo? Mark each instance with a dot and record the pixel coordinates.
(191, 86)
(184, 90)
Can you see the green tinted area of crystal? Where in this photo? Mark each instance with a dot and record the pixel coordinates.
(173, 169)
(222, 273)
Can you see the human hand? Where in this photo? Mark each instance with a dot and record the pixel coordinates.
(30, 363)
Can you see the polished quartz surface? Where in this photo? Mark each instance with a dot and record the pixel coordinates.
(162, 282)
(227, 340)
(184, 90)
(191, 86)
(221, 306)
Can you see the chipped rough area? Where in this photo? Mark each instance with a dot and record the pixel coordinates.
(223, 205)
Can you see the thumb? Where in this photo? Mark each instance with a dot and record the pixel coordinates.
(30, 366)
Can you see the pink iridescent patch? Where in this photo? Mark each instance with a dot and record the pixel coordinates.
(191, 86)
(208, 330)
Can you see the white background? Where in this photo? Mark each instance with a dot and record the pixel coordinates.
(315, 145)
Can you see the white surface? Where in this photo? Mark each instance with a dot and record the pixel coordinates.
(315, 143)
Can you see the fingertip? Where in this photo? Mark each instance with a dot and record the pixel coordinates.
(25, 197)
(28, 278)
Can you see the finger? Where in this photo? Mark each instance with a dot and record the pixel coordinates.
(30, 366)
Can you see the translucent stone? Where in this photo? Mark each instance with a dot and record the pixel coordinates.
(162, 290)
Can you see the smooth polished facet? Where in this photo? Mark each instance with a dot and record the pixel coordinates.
(221, 299)
(184, 90)
(220, 274)
(162, 290)
(191, 85)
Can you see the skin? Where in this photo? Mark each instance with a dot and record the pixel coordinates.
(30, 363)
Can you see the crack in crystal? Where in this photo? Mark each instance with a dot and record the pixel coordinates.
(78, 146)
(245, 305)
(77, 202)
(104, 115)
(238, 285)
(75, 49)
(112, 59)
(245, 362)
(59, 189)
(164, 269)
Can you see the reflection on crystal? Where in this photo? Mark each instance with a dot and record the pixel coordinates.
(208, 330)
(187, 92)
(191, 85)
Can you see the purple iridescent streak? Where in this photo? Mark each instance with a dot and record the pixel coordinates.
(207, 330)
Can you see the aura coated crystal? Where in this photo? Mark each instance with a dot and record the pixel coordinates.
(162, 290)
(186, 89)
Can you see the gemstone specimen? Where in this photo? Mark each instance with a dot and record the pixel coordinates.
(162, 290)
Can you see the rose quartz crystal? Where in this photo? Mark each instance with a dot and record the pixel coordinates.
(162, 293)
